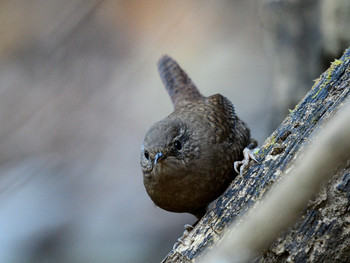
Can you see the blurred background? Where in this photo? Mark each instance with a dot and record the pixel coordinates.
(79, 88)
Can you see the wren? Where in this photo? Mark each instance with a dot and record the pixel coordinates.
(189, 158)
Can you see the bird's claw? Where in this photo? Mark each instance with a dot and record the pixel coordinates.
(188, 229)
(247, 156)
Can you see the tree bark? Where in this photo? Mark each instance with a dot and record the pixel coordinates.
(322, 234)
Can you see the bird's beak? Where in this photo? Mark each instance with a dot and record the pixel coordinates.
(159, 157)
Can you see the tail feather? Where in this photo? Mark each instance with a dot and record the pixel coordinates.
(179, 86)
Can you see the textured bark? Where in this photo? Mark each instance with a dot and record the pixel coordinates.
(322, 234)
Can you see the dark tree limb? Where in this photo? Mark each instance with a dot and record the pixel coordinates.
(322, 232)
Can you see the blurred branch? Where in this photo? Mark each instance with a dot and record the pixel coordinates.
(321, 233)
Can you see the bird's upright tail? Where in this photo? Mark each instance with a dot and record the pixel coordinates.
(179, 86)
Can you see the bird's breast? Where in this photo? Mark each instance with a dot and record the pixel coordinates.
(184, 189)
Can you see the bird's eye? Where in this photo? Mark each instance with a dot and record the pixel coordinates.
(177, 145)
(146, 153)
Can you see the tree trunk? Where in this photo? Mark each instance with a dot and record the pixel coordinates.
(322, 233)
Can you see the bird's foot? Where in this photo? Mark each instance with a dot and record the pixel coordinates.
(180, 240)
(248, 155)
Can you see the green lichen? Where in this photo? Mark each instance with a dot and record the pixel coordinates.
(273, 140)
(295, 108)
(256, 151)
(335, 63)
(266, 147)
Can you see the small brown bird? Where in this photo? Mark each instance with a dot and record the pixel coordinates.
(189, 158)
